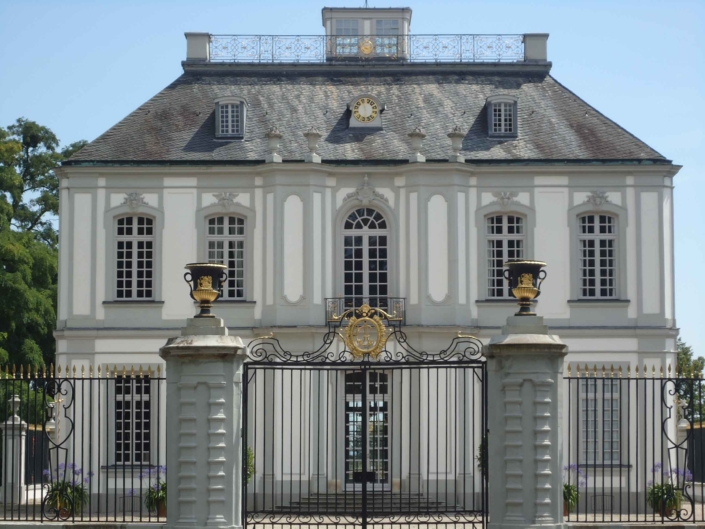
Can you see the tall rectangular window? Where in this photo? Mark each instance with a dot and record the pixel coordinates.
(346, 37)
(134, 258)
(231, 122)
(503, 118)
(599, 420)
(133, 420)
(505, 240)
(386, 39)
(226, 245)
(598, 260)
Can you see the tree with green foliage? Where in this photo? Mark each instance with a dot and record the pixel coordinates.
(690, 388)
(29, 206)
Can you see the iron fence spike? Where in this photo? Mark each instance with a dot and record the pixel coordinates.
(620, 371)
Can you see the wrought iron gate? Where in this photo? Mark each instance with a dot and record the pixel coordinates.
(342, 437)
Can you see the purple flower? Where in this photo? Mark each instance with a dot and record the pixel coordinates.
(46, 472)
(688, 475)
(78, 472)
(75, 482)
(91, 474)
(161, 470)
(62, 466)
(71, 466)
(86, 480)
(582, 483)
(657, 467)
(130, 492)
(155, 487)
(650, 483)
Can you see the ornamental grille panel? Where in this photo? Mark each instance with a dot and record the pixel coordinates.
(95, 448)
(340, 436)
(634, 449)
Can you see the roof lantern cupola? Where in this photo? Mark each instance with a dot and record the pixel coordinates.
(363, 33)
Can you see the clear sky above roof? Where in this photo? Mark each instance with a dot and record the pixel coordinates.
(79, 66)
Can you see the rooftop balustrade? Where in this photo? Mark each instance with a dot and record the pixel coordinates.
(406, 48)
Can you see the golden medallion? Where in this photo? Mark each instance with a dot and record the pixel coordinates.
(205, 283)
(365, 110)
(366, 47)
(365, 335)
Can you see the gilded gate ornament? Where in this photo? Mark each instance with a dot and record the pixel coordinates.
(365, 333)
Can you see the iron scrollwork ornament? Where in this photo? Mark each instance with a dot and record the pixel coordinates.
(58, 502)
(206, 282)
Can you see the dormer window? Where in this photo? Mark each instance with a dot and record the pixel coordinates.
(230, 117)
(502, 117)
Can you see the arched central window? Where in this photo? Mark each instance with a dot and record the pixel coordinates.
(226, 245)
(365, 258)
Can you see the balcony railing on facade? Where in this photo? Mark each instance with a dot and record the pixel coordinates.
(405, 48)
(395, 307)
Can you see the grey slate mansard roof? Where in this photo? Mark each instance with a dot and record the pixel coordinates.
(178, 124)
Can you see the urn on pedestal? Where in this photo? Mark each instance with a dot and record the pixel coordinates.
(205, 281)
(525, 278)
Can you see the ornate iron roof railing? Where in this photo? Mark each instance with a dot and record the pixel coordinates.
(411, 48)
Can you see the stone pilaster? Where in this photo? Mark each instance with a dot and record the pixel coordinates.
(14, 439)
(525, 367)
(204, 378)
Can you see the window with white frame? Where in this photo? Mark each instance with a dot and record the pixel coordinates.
(502, 116)
(133, 420)
(231, 119)
(225, 240)
(387, 27)
(346, 37)
(597, 246)
(134, 258)
(386, 32)
(505, 236)
(599, 420)
(365, 258)
(346, 27)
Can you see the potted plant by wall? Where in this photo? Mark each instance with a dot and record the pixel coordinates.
(67, 490)
(155, 495)
(574, 477)
(664, 493)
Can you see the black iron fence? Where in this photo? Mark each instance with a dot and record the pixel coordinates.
(83, 445)
(320, 48)
(634, 447)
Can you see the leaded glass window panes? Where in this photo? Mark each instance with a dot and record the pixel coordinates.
(134, 265)
(365, 258)
(600, 421)
(505, 240)
(133, 420)
(386, 40)
(503, 118)
(231, 122)
(226, 245)
(597, 242)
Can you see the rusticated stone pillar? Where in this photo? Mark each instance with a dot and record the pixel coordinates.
(525, 380)
(204, 409)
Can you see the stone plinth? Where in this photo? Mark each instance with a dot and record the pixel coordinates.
(204, 379)
(525, 385)
(14, 440)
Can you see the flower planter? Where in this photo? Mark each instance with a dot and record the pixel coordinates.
(161, 509)
(566, 510)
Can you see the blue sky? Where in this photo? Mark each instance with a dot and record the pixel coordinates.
(79, 67)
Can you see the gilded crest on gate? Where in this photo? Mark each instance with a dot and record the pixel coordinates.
(365, 333)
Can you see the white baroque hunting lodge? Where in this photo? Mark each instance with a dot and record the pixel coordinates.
(364, 166)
